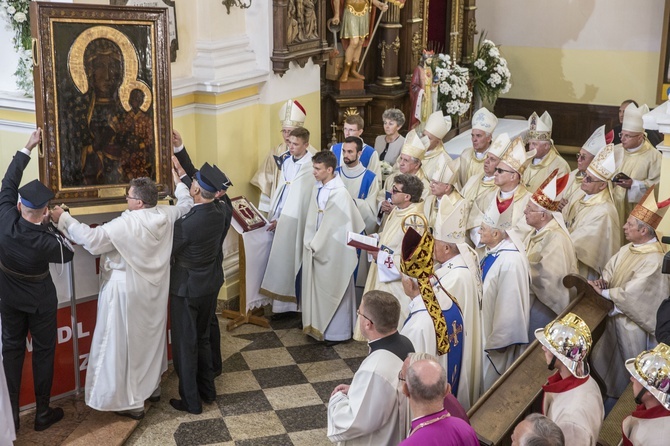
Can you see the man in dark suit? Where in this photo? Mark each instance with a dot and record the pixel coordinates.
(28, 301)
(195, 279)
(186, 170)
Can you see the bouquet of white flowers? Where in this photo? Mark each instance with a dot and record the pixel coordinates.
(489, 72)
(15, 12)
(453, 95)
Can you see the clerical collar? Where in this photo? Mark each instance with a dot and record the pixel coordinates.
(393, 343)
(480, 155)
(635, 149)
(588, 197)
(485, 178)
(499, 246)
(507, 195)
(649, 242)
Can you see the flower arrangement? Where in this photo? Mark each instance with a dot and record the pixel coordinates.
(453, 95)
(15, 12)
(387, 170)
(490, 74)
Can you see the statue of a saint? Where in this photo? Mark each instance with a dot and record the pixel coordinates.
(422, 92)
(357, 17)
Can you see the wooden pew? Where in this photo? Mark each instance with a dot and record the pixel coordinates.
(507, 402)
(610, 431)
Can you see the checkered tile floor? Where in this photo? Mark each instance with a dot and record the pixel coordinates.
(274, 390)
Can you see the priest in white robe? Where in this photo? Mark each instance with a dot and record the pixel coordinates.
(641, 162)
(129, 348)
(506, 295)
(329, 297)
(287, 219)
(435, 157)
(354, 126)
(443, 197)
(547, 159)
(373, 410)
(456, 284)
(472, 159)
(633, 281)
(591, 216)
(550, 253)
(384, 271)
(361, 183)
(291, 116)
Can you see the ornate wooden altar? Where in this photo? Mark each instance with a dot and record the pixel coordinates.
(393, 53)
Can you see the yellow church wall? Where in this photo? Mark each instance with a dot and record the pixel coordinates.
(581, 76)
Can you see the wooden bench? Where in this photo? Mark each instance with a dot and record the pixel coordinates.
(519, 389)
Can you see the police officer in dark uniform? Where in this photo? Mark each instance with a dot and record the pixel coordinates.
(196, 277)
(28, 301)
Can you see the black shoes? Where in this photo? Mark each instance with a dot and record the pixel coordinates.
(181, 406)
(135, 415)
(47, 417)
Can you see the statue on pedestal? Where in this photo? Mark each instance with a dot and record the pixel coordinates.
(357, 17)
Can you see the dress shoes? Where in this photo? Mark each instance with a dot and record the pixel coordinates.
(134, 414)
(46, 416)
(181, 406)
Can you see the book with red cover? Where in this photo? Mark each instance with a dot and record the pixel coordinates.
(246, 214)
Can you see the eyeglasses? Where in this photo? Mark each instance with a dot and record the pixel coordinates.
(580, 157)
(500, 171)
(623, 135)
(395, 190)
(362, 315)
(128, 197)
(400, 378)
(589, 179)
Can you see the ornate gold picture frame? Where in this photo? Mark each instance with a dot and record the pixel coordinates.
(102, 97)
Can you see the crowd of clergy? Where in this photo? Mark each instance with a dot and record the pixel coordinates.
(471, 253)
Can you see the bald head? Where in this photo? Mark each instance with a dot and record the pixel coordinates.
(426, 381)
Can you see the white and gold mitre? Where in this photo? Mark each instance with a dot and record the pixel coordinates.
(632, 118)
(292, 114)
(596, 141)
(413, 146)
(438, 125)
(516, 156)
(606, 163)
(452, 228)
(447, 172)
(499, 145)
(484, 120)
(539, 127)
(499, 214)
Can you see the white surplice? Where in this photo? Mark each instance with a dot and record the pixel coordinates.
(505, 310)
(352, 179)
(328, 295)
(129, 349)
(374, 411)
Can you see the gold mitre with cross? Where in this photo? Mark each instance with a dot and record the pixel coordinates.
(539, 127)
(438, 125)
(516, 156)
(606, 162)
(484, 120)
(452, 228)
(499, 214)
(413, 146)
(648, 211)
(632, 118)
(499, 145)
(417, 261)
(550, 193)
(292, 114)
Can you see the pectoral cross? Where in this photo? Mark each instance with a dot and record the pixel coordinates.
(457, 329)
(415, 223)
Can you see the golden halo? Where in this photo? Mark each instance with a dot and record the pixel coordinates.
(75, 62)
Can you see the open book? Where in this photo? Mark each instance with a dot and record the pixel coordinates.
(360, 241)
